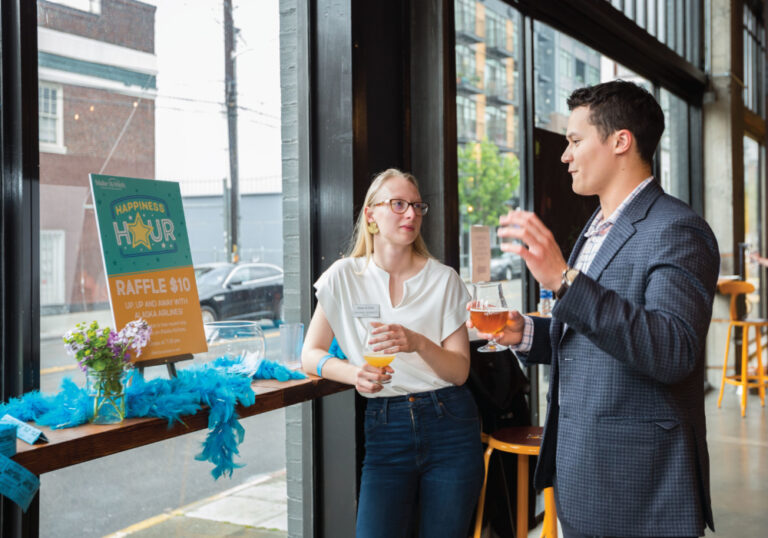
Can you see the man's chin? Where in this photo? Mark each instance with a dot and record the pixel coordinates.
(580, 189)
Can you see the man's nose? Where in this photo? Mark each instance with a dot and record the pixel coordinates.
(566, 156)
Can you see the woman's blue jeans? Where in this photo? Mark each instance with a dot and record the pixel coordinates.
(423, 462)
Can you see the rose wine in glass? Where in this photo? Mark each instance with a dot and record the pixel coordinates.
(489, 313)
(377, 359)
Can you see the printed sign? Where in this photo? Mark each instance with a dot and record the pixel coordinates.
(145, 245)
(480, 246)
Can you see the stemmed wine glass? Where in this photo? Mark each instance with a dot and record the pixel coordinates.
(489, 312)
(377, 359)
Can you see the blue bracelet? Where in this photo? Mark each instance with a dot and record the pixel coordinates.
(322, 362)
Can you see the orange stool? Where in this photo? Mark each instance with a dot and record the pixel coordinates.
(734, 288)
(524, 441)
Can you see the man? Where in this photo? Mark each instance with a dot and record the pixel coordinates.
(625, 436)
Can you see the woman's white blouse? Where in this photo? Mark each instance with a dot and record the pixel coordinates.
(433, 304)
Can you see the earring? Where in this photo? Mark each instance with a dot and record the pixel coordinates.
(373, 228)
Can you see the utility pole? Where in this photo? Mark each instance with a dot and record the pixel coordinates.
(230, 101)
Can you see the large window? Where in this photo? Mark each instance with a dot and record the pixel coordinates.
(578, 66)
(140, 89)
(495, 27)
(50, 101)
(673, 152)
(753, 218)
(754, 62)
(466, 70)
(466, 118)
(672, 23)
(465, 16)
(489, 135)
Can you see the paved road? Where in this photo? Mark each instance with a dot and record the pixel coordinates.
(105, 495)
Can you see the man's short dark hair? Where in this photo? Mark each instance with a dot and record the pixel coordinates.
(620, 105)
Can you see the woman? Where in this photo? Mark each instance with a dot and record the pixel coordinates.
(423, 457)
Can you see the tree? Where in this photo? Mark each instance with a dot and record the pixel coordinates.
(487, 179)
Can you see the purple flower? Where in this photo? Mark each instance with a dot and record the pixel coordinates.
(106, 344)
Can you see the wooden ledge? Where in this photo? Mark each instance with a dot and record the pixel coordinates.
(70, 446)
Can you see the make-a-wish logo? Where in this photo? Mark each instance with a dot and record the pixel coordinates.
(142, 226)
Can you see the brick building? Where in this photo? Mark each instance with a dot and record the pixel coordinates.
(97, 115)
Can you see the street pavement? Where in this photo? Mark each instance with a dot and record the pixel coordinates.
(256, 509)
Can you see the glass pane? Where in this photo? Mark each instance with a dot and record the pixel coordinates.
(753, 218)
(137, 88)
(673, 148)
(465, 16)
(563, 64)
(629, 9)
(661, 25)
(640, 14)
(651, 20)
(490, 142)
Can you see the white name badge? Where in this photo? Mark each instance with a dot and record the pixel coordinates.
(366, 311)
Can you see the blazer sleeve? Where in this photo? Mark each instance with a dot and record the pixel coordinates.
(541, 347)
(664, 337)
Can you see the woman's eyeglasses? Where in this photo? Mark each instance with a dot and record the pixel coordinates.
(401, 206)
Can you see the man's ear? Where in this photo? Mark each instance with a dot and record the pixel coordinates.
(622, 141)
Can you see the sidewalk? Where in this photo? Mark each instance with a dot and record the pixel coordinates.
(256, 509)
(54, 327)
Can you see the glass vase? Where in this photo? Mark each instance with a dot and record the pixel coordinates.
(107, 390)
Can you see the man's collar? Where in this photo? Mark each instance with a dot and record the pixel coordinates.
(600, 223)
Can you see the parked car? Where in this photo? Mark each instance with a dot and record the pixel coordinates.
(240, 291)
(505, 265)
(205, 267)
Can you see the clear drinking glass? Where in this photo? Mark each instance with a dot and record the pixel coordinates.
(489, 312)
(377, 359)
(233, 339)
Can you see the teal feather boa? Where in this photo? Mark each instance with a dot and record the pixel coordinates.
(219, 385)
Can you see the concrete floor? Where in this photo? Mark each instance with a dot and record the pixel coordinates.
(738, 451)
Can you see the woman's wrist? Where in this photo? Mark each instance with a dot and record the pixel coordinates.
(422, 343)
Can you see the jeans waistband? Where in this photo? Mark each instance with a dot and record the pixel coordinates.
(432, 396)
(442, 393)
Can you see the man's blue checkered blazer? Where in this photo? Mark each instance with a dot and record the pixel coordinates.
(625, 437)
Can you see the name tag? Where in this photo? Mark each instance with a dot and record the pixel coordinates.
(366, 311)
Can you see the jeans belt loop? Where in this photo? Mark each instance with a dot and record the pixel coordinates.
(436, 402)
(385, 410)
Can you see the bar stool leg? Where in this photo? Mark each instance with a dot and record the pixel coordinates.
(761, 385)
(481, 501)
(744, 361)
(522, 496)
(759, 361)
(725, 365)
(549, 527)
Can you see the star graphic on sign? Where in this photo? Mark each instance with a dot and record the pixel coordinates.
(140, 232)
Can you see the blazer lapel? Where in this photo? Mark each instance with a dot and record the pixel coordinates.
(620, 233)
(580, 241)
(556, 331)
(624, 228)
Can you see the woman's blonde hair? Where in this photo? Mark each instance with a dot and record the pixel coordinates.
(362, 239)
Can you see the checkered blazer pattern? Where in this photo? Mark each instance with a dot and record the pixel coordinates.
(625, 436)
